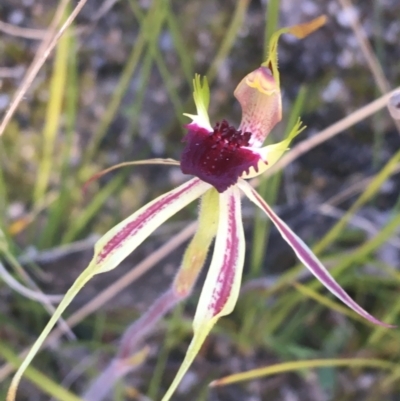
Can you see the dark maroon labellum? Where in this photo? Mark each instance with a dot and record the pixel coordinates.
(217, 157)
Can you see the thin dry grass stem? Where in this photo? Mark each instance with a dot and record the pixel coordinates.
(43, 52)
(82, 366)
(356, 221)
(136, 332)
(394, 106)
(354, 189)
(372, 61)
(25, 291)
(328, 133)
(34, 288)
(112, 290)
(103, 9)
(53, 255)
(131, 342)
(108, 377)
(26, 33)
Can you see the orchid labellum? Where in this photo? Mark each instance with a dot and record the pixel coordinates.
(220, 157)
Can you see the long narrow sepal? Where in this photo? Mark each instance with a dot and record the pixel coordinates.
(192, 263)
(114, 247)
(305, 254)
(121, 240)
(166, 162)
(222, 285)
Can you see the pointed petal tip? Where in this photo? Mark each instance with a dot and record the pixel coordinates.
(380, 323)
(307, 257)
(303, 30)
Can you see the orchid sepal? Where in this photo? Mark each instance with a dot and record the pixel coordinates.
(122, 239)
(270, 154)
(306, 256)
(222, 285)
(115, 246)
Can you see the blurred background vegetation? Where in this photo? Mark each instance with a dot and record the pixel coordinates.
(114, 90)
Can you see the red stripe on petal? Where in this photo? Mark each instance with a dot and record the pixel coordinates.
(305, 254)
(132, 228)
(228, 269)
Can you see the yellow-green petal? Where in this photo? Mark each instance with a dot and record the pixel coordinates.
(196, 253)
(201, 96)
(270, 154)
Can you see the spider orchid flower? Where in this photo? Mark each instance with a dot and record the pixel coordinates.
(220, 157)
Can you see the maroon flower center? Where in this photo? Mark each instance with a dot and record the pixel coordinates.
(219, 157)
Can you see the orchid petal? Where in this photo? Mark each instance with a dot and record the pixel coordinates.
(115, 246)
(201, 95)
(305, 254)
(222, 285)
(270, 154)
(122, 239)
(221, 288)
(192, 263)
(259, 92)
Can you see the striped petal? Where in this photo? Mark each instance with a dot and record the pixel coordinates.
(114, 247)
(305, 254)
(121, 240)
(221, 288)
